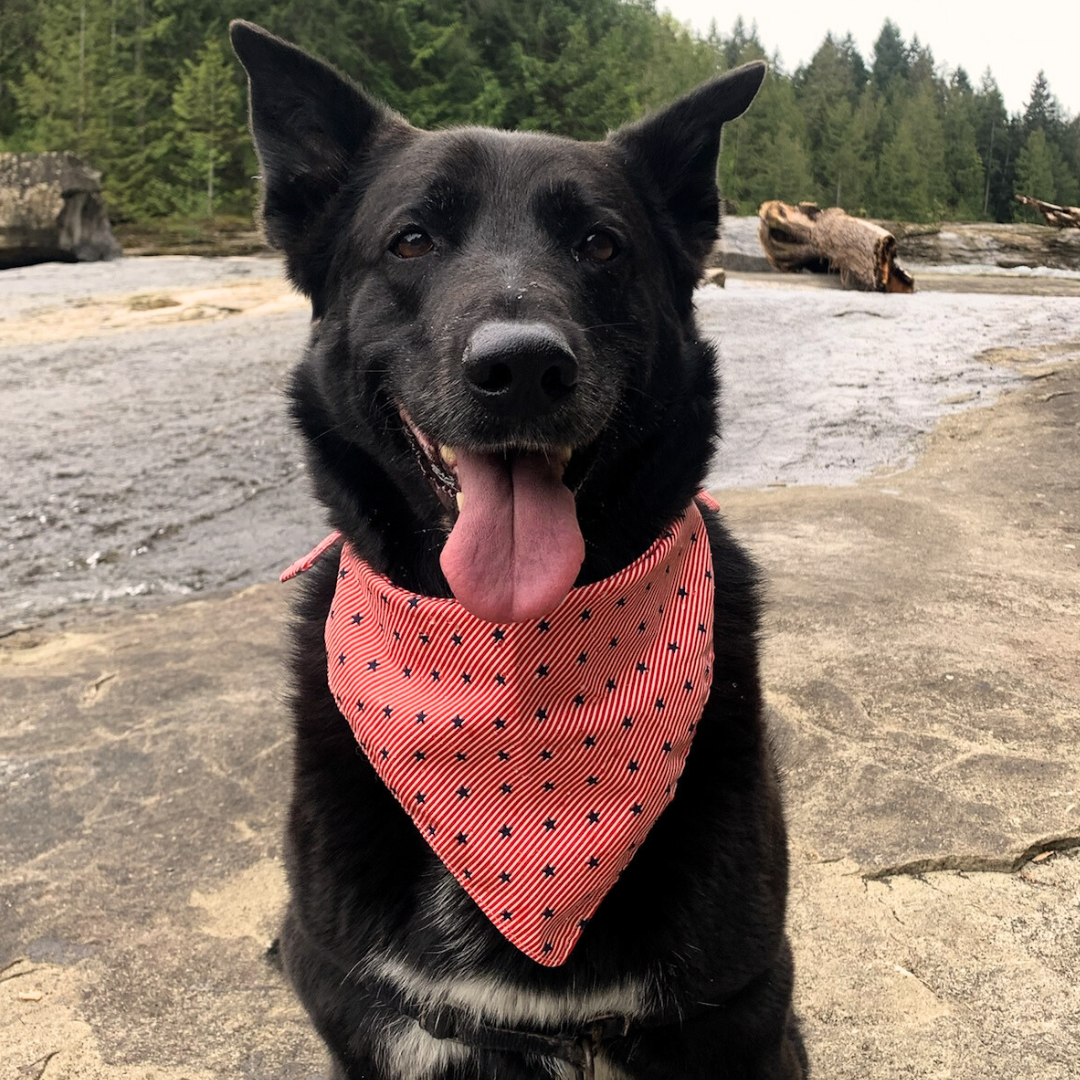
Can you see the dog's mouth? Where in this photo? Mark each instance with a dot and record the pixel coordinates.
(515, 547)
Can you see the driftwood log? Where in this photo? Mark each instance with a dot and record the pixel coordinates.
(805, 237)
(51, 209)
(1063, 217)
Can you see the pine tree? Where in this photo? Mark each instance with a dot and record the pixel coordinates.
(1035, 169)
(18, 33)
(209, 130)
(373, 42)
(448, 85)
(860, 75)
(963, 165)
(60, 92)
(1043, 109)
(1043, 112)
(841, 165)
(736, 44)
(828, 91)
(993, 137)
(920, 64)
(903, 179)
(675, 60)
(764, 155)
(891, 63)
(1069, 180)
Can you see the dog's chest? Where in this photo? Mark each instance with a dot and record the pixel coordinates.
(411, 1053)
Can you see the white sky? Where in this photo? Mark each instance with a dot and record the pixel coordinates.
(1014, 39)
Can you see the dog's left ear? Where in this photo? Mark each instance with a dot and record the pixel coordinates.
(676, 151)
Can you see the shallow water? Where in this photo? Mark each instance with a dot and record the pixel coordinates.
(158, 462)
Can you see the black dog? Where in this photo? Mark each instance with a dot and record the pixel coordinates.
(511, 315)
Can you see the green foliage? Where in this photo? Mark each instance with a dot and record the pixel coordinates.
(1035, 172)
(209, 130)
(147, 91)
(764, 153)
(830, 94)
(963, 166)
(17, 35)
(891, 62)
(1043, 110)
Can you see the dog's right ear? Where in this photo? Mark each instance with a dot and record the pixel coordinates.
(309, 123)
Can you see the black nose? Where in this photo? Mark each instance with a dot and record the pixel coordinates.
(519, 369)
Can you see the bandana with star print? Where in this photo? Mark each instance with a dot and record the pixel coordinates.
(533, 757)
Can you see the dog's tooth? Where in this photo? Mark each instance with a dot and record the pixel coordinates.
(563, 456)
(459, 498)
(449, 455)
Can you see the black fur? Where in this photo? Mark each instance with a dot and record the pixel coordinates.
(699, 913)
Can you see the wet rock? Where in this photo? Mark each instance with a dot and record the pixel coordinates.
(51, 210)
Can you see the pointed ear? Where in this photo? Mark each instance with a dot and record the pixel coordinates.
(675, 152)
(309, 123)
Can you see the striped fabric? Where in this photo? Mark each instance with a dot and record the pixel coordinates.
(533, 757)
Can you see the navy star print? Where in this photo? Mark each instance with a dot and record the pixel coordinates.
(547, 822)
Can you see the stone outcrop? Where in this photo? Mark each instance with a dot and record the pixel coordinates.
(51, 210)
(983, 243)
(978, 243)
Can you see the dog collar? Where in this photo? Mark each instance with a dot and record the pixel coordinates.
(533, 757)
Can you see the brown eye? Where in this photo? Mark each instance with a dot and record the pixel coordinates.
(412, 244)
(600, 246)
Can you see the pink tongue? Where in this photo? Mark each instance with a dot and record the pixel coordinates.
(516, 548)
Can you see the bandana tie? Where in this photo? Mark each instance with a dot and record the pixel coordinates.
(533, 757)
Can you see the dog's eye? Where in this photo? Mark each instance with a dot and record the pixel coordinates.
(600, 246)
(412, 244)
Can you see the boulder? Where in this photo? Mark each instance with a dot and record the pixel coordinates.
(51, 210)
(738, 249)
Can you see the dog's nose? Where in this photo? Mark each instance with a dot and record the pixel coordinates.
(518, 368)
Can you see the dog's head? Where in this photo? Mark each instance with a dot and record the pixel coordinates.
(503, 354)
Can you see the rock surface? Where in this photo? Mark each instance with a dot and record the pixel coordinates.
(51, 210)
(988, 244)
(739, 248)
(923, 671)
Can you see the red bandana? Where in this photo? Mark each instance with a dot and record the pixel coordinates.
(533, 757)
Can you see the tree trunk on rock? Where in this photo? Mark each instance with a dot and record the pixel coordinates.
(51, 210)
(829, 241)
(1063, 217)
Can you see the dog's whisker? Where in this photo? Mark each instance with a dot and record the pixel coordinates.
(605, 326)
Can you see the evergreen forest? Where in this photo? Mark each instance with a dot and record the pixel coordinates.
(148, 92)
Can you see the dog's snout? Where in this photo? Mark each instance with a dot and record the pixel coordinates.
(519, 369)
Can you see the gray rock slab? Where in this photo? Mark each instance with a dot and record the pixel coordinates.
(921, 651)
(149, 464)
(48, 284)
(51, 208)
(921, 664)
(144, 766)
(822, 386)
(738, 247)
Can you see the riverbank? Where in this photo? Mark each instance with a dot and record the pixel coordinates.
(906, 470)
